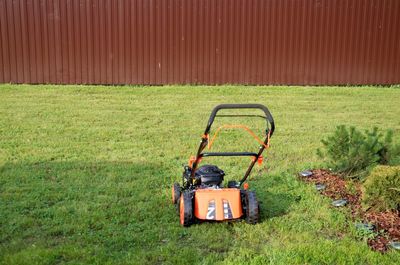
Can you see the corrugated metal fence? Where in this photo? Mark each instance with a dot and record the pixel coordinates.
(200, 41)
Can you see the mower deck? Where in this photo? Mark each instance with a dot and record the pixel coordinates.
(217, 204)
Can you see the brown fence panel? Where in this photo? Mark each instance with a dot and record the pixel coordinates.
(200, 41)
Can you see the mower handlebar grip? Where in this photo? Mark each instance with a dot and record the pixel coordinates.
(268, 115)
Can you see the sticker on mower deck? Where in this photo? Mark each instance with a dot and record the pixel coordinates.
(211, 210)
(227, 211)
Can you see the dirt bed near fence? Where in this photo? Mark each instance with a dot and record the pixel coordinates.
(386, 224)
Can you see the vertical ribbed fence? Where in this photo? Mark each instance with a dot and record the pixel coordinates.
(200, 41)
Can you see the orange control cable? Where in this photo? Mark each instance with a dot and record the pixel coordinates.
(240, 126)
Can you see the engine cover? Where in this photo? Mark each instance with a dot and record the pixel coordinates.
(210, 175)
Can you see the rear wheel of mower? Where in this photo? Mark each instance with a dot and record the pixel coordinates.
(186, 209)
(176, 193)
(251, 208)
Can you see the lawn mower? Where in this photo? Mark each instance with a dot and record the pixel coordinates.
(202, 196)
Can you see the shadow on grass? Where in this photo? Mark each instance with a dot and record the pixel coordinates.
(273, 195)
(75, 209)
(50, 203)
(275, 204)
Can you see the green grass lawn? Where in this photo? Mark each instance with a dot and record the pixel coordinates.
(85, 175)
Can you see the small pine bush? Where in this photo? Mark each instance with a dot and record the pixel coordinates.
(390, 152)
(381, 189)
(354, 153)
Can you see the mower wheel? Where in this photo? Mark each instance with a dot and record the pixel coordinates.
(186, 209)
(252, 208)
(176, 193)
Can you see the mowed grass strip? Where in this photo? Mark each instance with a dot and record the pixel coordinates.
(85, 174)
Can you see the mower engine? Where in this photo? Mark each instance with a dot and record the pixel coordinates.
(209, 176)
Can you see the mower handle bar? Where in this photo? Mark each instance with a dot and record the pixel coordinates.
(204, 139)
(268, 115)
(228, 154)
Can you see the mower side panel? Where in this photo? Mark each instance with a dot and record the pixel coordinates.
(219, 204)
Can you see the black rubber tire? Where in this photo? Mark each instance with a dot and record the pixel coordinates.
(176, 192)
(251, 208)
(186, 215)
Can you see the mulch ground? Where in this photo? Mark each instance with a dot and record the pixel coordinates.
(387, 224)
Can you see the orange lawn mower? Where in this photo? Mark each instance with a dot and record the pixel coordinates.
(202, 196)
